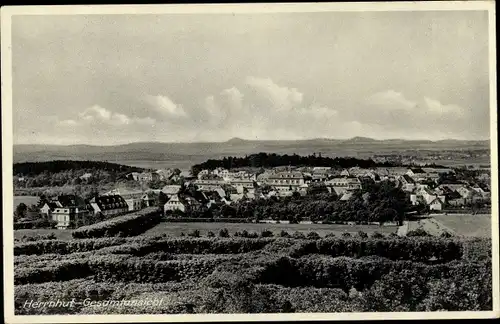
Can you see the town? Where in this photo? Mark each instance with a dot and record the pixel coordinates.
(186, 195)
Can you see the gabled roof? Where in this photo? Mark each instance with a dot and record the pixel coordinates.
(417, 170)
(71, 201)
(346, 196)
(408, 178)
(171, 189)
(110, 202)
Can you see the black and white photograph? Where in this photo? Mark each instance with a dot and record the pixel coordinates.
(249, 162)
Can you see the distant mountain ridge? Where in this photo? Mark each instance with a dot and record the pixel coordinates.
(198, 152)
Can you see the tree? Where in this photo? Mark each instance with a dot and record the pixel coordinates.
(21, 211)
(162, 199)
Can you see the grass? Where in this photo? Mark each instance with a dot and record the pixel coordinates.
(175, 229)
(60, 234)
(467, 224)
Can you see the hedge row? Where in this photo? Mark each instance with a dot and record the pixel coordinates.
(205, 220)
(344, 273)
(421, 249)
(127, 225)
(317, 270)
(65, 247)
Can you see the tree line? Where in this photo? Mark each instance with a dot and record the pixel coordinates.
(36, 168)
(270, 160)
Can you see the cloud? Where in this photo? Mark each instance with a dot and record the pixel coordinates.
(165, 107)
(390, 99)
(99, 116)
(283, 98)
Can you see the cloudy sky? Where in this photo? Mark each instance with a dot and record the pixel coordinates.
(181, 78)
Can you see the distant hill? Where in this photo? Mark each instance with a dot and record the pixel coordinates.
(193, 153)
(35, 168)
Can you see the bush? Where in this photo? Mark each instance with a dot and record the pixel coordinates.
(446, 235)
(330, 235)
(284, 234)
(362, 235)
(266, 233)
(210, 234)
(194, 233)
(417, 232)
(346, 234)
(298, 235)
(313, 236)
(130, 225)
(377, 235)
(223, 232)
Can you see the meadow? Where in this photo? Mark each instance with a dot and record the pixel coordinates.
(175, 229)
(466, 224)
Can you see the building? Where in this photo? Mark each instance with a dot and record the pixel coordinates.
(148, 176)
(109, 205)
(348, 183)
(407, 183)
(417, 174)
(66, 216)
(183, 204)
(286, 181)
(245, 183)
(164, 174)
(86, 176)
(171, 190)
(203, 173)
(175, 203)
(48, 208)
(66, 210)
(209, 184)
(436, 204)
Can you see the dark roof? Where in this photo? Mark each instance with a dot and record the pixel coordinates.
(52, 205)
(110, 202)
(71, 201)
(417, 170)
(408, 178)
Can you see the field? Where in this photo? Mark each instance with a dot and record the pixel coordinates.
(467, 224)
(60, 234)
(175, 229)
(28, 200)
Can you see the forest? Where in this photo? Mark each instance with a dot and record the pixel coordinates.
(267, 160)
(36, 168)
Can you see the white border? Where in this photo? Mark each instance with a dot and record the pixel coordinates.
(7, 12)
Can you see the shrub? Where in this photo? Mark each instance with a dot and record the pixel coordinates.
(346, 234)
(224, 232)
(330, 235)
(362, 235)
(266, 233)
(210, 234)
(298, 235)
(284, 233)
(182, 234)
(313, 236)
(377, 235)
(194, 233)
(446, 235)
(417, 232)
(131, 224)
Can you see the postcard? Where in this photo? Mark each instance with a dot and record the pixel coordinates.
(249, 162)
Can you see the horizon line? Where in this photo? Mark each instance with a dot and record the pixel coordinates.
(261, 140)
